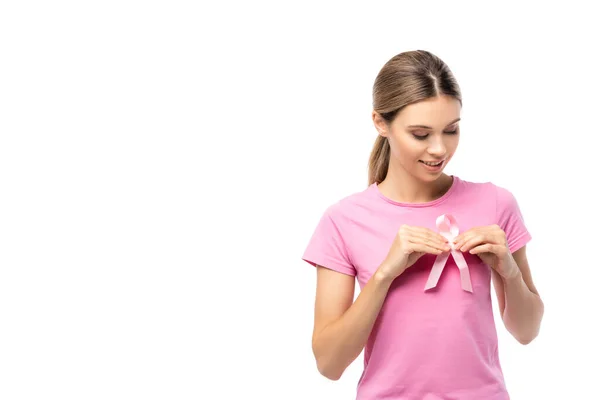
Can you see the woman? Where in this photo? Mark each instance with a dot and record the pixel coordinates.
(427, 330)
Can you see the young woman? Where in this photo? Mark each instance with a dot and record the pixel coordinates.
(424, 247)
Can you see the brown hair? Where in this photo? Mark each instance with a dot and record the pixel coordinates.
(406, 78)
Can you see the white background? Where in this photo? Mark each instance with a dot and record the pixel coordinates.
(163, 165)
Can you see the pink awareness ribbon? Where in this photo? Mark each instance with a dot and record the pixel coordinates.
(448, 228)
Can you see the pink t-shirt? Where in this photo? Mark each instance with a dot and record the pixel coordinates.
(437, 344)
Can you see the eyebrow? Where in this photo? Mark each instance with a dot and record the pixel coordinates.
(429, 127)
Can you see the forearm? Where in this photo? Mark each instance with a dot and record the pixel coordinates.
(340, 342)
(523, 309)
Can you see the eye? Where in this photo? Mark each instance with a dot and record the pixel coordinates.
(423, 137)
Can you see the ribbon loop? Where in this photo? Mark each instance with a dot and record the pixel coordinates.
(448, 228)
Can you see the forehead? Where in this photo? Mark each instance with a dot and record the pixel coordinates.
(436, 112)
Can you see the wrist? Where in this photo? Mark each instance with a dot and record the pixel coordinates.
(383, 277)
(514, 276)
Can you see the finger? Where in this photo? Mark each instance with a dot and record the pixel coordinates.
(462, 238)
(489, 233)
(431, 244)
(465, 234)
(471, 243)
(485, 248)
(470, 233)
(475, 239)
(488, 248)
(459, 240)
(425, 248)
(427, 233)
(430, 240)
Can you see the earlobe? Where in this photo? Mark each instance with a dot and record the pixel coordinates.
(380, 125)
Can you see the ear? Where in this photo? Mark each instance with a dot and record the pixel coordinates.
(380, 124)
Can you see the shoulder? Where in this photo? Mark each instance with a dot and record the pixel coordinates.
(484, 189)
(504, 197)
(499, 198)
(350, 203)
(488, 188)
(505, 203)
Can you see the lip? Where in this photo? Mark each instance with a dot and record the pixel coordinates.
(433, 169)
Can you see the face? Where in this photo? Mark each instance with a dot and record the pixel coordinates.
(433, 139)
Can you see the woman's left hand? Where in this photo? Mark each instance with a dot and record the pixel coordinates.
(489, 243)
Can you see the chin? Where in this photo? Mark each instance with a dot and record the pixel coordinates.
(431, 175)
(431, 178)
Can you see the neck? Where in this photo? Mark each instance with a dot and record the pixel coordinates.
(403, 187)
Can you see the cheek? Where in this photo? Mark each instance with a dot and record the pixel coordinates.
(453, 141)
(451, 145)
(407, 149)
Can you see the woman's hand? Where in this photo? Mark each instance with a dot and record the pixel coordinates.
(410, 243)
(489, 243)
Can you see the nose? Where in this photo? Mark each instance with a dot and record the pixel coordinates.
(437, 148)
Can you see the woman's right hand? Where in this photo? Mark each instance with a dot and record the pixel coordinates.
(410, 243)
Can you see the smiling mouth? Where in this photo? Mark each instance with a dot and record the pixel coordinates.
(432, 164)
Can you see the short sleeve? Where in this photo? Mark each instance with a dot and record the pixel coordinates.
(510, 219)
(326, 247)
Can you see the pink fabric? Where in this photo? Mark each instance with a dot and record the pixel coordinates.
(427, 345)
(448, 228)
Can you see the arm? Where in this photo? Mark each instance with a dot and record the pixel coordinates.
(520, 305)
(341, 327)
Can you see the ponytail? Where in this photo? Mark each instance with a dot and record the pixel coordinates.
(379, 160)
